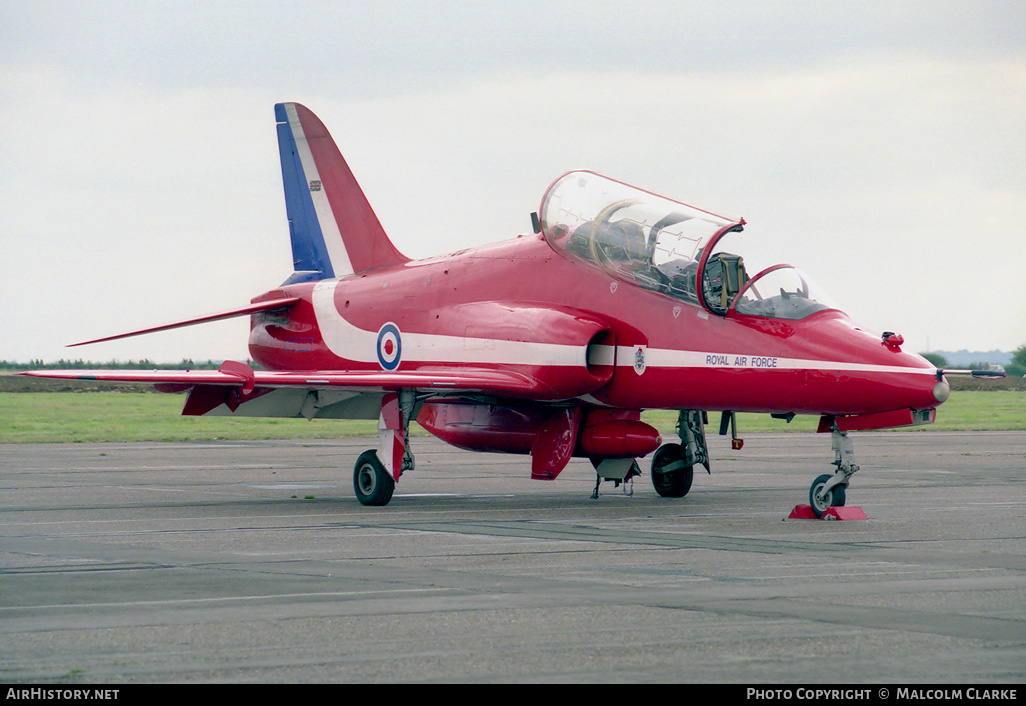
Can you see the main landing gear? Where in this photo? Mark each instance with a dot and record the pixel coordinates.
(373, 485)
(671, 473)
(673, 464)
(828, 490)
(377, 470)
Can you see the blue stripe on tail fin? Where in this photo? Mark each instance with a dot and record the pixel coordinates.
(308, 252)
(333, 228)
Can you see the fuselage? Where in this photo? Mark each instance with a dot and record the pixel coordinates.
(631, 348)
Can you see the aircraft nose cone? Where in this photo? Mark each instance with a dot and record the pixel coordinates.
(941, 391)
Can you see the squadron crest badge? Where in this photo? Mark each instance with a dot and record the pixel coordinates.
(639, 359)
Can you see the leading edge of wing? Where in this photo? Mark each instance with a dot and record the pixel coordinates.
(497, 382)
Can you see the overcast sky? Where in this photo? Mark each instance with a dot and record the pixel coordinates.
(880, 146)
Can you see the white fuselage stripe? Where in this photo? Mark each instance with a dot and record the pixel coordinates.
(669, 358)
(353, 343)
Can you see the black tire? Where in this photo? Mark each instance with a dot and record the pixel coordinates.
(373, 485)
(671, 477)
(835, 498)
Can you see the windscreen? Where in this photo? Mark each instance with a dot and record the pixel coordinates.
(782, 292)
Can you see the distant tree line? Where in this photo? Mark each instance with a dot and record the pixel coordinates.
(144, 364)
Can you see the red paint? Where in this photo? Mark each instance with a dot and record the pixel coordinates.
(845, 512)
(619, 439)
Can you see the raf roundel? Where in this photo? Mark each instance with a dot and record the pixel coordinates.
(390, 346)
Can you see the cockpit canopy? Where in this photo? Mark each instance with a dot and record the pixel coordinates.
(668, 247)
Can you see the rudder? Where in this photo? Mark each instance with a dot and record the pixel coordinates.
(333, 228)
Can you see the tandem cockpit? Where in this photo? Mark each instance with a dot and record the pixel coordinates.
(668, 247)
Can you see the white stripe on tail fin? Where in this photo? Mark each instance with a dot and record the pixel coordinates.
(333, 228)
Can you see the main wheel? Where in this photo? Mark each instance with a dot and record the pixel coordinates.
(821, 503)
(372, 483)
(671, 476)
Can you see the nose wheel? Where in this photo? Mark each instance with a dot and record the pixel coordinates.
(822, 497)
(828, 490)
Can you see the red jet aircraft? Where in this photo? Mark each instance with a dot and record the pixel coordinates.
(549, 344)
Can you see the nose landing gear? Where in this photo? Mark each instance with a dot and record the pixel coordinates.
(828, 490)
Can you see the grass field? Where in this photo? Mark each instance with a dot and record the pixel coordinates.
(133, 416)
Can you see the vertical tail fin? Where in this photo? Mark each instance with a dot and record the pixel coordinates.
(334, 229)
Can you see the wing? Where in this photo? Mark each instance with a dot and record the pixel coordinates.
(238, 389)
(234, 374)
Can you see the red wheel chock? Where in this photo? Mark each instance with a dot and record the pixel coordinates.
(845, 512)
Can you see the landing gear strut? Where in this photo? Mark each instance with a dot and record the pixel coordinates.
(377, 470)
(828, 491)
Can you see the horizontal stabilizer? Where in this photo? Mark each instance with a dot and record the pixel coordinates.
(230, 314)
